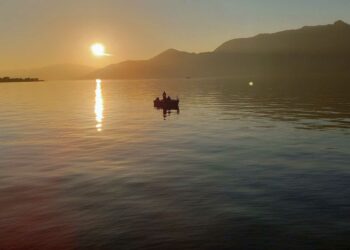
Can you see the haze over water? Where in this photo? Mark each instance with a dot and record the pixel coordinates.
(92, 165)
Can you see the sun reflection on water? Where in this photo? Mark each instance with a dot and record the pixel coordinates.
(98, 105)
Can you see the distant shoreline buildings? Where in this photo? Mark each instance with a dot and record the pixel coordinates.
(27, 79)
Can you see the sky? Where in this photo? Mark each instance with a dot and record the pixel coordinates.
(36, 33)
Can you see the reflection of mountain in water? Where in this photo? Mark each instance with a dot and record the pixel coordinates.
(308, 108)
(317, 112)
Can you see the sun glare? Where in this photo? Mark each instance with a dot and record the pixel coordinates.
(98, 49)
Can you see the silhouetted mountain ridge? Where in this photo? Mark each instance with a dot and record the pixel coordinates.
(311, 50)
(170, 53)
(333, 38)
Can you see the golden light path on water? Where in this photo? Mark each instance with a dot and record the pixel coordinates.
(98, 105)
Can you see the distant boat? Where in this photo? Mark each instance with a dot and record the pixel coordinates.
(166, 104)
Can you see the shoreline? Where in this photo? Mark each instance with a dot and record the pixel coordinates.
(7, 79)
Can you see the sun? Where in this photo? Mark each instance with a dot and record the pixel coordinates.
(98, 49)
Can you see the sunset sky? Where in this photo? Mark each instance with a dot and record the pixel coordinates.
(43, 32)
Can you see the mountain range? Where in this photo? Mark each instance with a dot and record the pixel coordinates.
(311, 50)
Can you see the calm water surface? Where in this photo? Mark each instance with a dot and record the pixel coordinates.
(92, 165)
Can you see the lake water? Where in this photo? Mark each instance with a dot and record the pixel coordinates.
(92, 165)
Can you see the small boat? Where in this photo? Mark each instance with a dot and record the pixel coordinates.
(166, 104)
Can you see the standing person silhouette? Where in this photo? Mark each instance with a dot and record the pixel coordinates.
(164, 96)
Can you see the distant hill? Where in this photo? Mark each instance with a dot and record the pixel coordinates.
(317, 50)
(53, 72)
(170, 63)
(325, 39)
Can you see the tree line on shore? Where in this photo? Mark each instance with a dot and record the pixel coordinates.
(27, 79)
